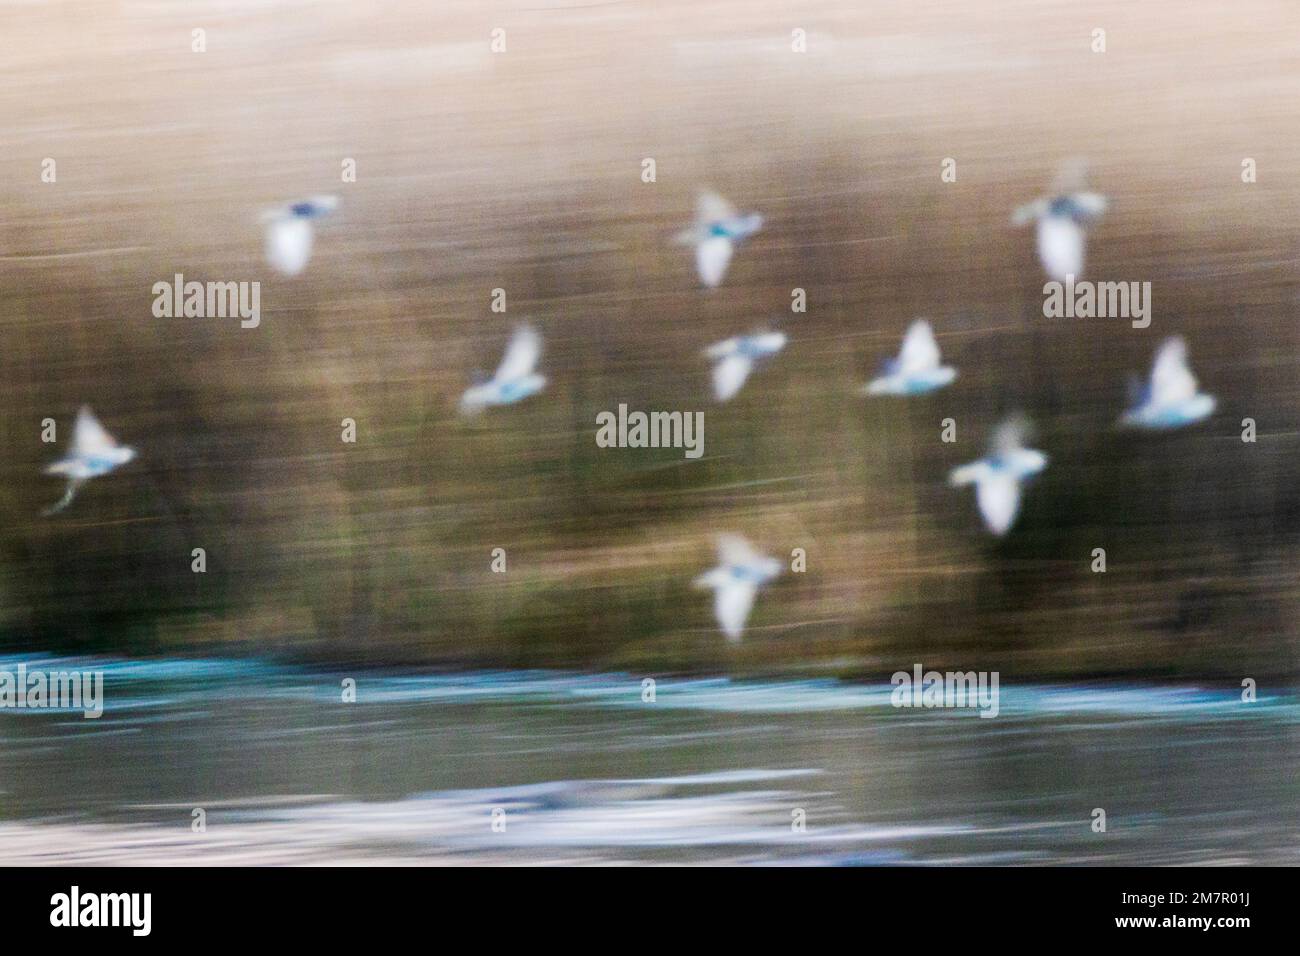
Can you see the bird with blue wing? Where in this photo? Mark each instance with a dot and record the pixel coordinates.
(1172, 398)
(997, 476)
(717, 231)
(291, 232)
(93, 453)
(516, 377)
(917, 369)
(736, 357)
(735, 582)
(1063, 220)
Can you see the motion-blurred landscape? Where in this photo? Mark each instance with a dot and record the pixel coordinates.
(530, 695)
(521, 170)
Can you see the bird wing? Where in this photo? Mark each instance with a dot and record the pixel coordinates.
(731, 604)
(734, 549)
(965, 474)
(920, 352)
(713, 578)
(1089, 205)
(322, 205)
(1029, 212)
(1172, 382)
(883, 385)
(88, 436)
(724, 348)
(1010, 434)
(729, 375)
(521, 356)
(710, 207)
(712, 256)
(998, 496)
(768, 343)
(474, 399)
(1071, 176)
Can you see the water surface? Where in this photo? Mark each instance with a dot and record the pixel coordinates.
(582, 769)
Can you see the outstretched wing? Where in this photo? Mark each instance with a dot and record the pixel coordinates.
(765, 344)
(966, 474)
(920, 352)
(1010, 434)
(88, 436)
(729, 375)
(710, 207)
(521, 356)
(1172, 381)
(320, 205)
(1088, 205)
(731, 604)
(735, 550)
(998, 496)
(712, 256)
(1071, 176)
(724, 348)
(1029, 212)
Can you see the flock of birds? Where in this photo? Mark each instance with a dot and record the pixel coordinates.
(1171, 398)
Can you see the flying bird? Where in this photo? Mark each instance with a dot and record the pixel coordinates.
(917, 369)
(1172, 398)
(515, 378)
(290, 232)
(1063, 220)
(735, 358)
(718, 229)
(94, 453)
(741, 571)
(997, 477)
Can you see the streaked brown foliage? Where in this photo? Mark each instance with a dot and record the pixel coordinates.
(522, 171)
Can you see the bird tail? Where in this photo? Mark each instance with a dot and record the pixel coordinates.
(964, 474)
(63, 502)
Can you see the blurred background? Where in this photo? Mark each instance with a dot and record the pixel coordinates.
(522, 170)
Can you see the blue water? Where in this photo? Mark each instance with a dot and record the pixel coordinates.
(537, 766)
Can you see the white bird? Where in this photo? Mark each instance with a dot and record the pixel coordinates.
(718, 229)
(917, 369)
(290, 232)
(735, 358)
(515, 378)
(94, 453)
(1172, 398)
(997, 477)
(1062, 229)
(741, 571)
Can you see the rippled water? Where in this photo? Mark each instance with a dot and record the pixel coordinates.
(581, 769)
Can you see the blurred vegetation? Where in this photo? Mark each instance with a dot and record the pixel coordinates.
(523, 172)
